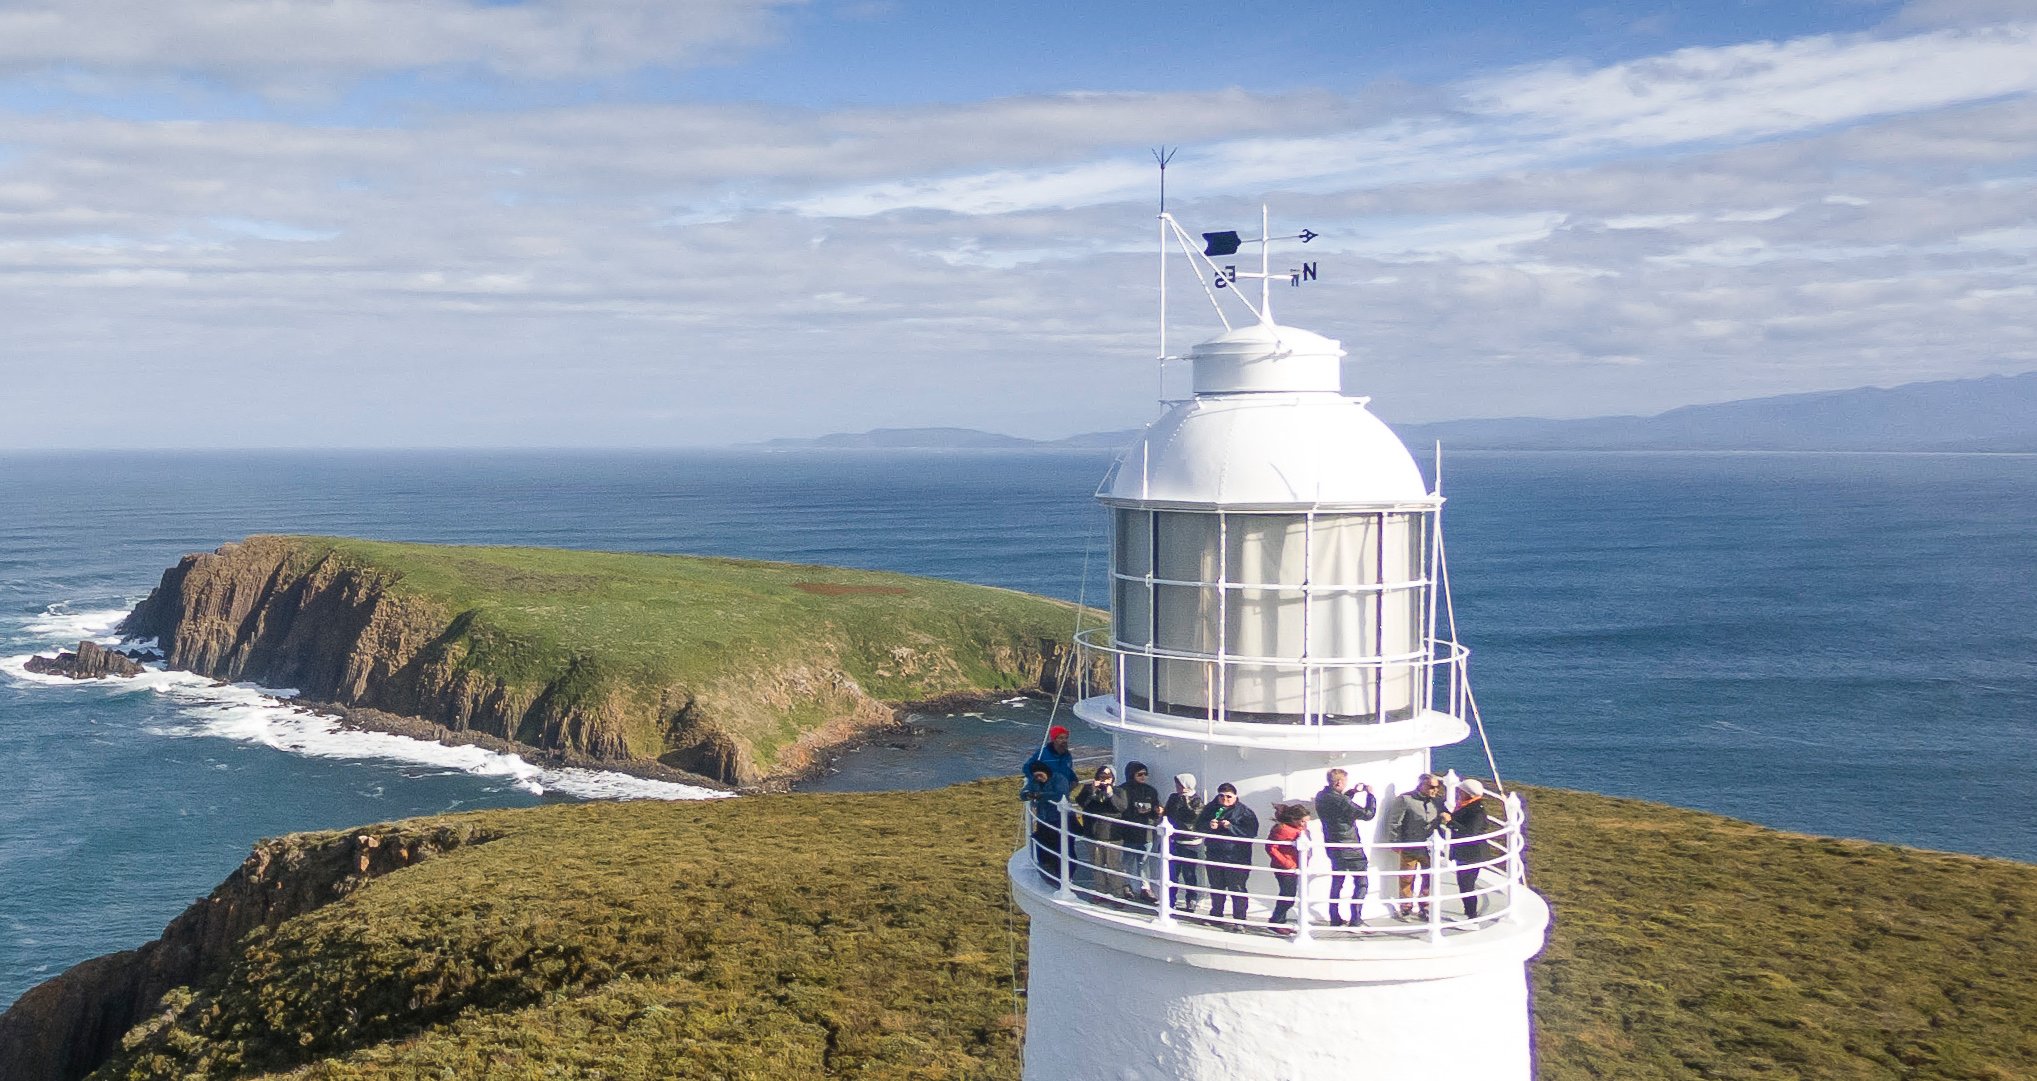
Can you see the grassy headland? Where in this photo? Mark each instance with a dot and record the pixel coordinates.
(868, 936)
(737, 669)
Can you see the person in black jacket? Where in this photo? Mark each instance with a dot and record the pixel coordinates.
(1340, 809)
(1469, 819)
(1100, 806)
(1231, 826)
(1183, 873)
(1142, 813)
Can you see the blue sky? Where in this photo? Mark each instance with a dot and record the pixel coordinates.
(606, 222)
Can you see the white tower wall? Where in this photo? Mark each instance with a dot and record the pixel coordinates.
(1109, 1002)
(1262, 775)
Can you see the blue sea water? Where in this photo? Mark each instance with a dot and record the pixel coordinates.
(1840, 644)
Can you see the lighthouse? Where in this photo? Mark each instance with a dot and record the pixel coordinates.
(1278, 610)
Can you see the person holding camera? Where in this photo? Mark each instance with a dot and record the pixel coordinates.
(1231, 826)
(1142, 813)
(1340, 809)
(1101, 805)
(1416, 815)
(1183, 808)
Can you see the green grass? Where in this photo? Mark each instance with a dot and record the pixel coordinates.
(868, 936)
(755, 646)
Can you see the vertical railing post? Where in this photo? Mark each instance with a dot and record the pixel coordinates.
(1066, 891)
(1164, 916)
(1301, 923)
(1517, 837)
(1124, 700)
(1436, 851)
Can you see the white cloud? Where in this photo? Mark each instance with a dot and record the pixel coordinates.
(293, 40)
(708, 273)
(1546, 116)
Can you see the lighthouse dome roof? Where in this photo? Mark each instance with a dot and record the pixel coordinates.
(1269, 451)
(1267, 358)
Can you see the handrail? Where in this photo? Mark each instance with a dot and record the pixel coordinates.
(1454, 652)
(1411, 676)
(1108, 882)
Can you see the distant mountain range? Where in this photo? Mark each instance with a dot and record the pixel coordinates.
(948, 439)
(1993, 413)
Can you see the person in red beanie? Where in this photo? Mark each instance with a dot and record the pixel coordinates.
(1055, 755)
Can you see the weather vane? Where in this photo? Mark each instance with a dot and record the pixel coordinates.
(1217, 278)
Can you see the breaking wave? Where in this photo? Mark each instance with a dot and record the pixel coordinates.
(59, 624)
(247, 713)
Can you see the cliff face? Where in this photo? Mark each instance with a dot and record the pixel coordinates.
(318, 616)
(64, 1028)
(272, 611)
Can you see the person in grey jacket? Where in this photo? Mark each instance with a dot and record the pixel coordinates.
(1416, 814)
(1340, 809)
(1183, 808)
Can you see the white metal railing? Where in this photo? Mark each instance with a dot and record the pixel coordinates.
(1434, 673)
(1148, 881)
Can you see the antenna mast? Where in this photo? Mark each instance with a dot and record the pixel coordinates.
(1163, 155)
(1265, 265)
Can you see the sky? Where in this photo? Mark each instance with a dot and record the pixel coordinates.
(614, 223)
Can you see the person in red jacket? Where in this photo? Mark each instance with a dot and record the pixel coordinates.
(1290, 822)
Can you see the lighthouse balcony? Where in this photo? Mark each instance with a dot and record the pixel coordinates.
(1408, 700)
(1456, 896)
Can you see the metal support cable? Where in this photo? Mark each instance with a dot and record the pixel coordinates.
(1470, 700)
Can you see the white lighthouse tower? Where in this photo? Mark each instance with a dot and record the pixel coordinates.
(1277, 610)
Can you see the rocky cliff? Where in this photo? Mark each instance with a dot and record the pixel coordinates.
(88, 661)
(739, 671)
(64, 1028)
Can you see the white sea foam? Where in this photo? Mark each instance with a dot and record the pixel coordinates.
(16, 667)
(58, 623)
(266, 716)
(252, 714)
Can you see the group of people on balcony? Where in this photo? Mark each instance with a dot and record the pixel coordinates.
(1115, 835)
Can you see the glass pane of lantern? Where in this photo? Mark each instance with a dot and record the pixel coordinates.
(1134, 542)
(1404, 555)
(1263, 623)
(1265, 549)
(1132, 613)
(1343, 625)
(1187, 546)
(1344, 550)
(1186, 618)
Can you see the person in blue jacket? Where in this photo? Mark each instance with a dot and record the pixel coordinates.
(1055, 755)
(1046, 790)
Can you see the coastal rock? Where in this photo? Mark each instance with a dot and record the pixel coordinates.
(64, 1028)
(343, 628)
(89, 661)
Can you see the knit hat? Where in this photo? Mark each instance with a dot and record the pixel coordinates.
(1186, 781)
(1057, 732)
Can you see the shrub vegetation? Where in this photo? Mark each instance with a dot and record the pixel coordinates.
(868, 936)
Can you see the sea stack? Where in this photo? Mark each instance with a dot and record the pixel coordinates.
(1277, 613)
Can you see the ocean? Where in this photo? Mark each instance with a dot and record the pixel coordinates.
(1839, 644)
